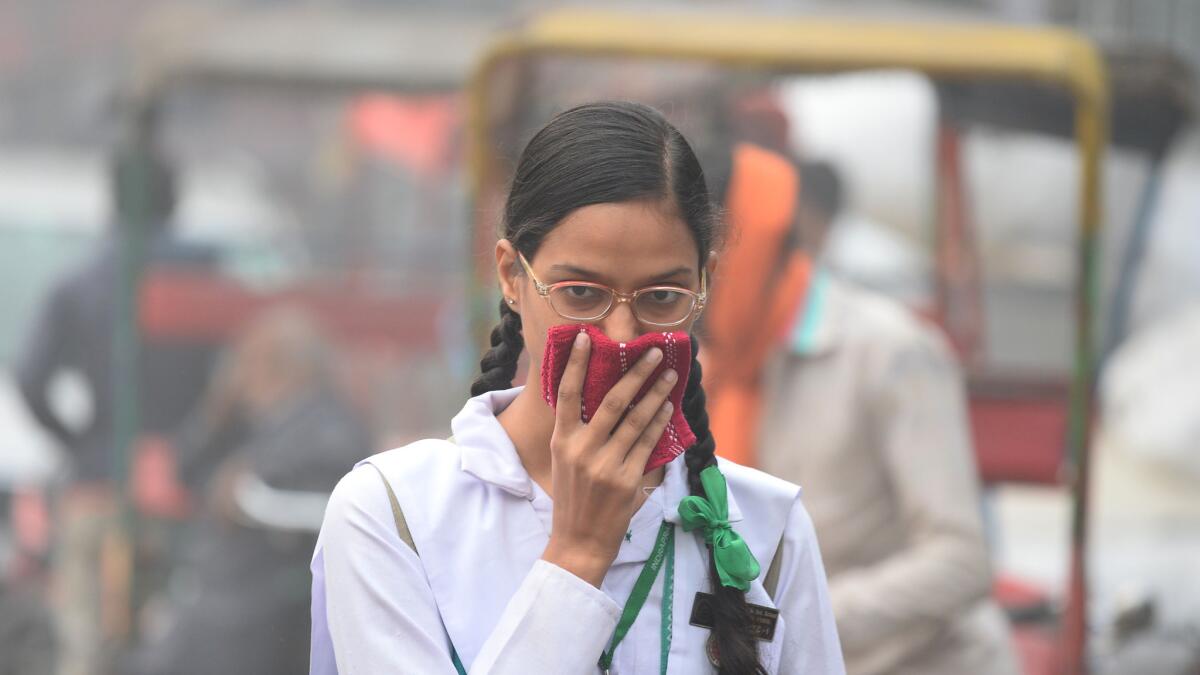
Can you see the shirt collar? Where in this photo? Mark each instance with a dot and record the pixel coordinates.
(817, 326)
(485, 448)
(489, 454)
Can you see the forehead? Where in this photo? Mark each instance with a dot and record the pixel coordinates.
(622, 241)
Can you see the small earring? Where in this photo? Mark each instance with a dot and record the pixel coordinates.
(510, 301)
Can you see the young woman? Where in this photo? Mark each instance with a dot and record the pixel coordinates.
(532, 542)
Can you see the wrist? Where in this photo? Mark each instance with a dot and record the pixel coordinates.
(587, 565)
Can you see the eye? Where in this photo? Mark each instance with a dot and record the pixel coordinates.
(580, 292)
(663, 296)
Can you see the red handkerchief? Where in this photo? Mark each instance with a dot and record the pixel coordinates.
(608, 362)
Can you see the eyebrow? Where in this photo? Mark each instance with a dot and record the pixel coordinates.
(585, 274)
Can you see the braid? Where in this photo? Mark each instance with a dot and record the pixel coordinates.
(499, 364)
(703, 454)
(735, 645)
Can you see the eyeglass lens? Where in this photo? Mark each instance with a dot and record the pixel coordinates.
(662, 306)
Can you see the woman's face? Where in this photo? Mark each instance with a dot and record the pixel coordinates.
(625, 245)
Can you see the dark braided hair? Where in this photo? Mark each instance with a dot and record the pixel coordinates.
(499, 364)
(604, 153)
(735, 648)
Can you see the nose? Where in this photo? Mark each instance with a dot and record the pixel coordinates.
(621, 325)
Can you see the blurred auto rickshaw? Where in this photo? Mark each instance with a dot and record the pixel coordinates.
(357, 151)
(1030, 426)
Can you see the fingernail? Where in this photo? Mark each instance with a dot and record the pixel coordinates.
(655, 355)
(581, 339)
(670, 376)
(666, 407)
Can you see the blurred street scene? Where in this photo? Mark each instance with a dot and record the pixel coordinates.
(244, 244)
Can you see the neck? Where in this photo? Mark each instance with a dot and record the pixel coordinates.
(529, 423)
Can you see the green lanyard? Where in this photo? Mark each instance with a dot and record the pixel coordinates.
(664, 551)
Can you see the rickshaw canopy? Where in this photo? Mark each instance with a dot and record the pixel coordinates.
(331, 48)
(944, 51)
(967, 61)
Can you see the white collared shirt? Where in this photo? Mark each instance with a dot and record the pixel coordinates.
(476, 581)
(868, 408)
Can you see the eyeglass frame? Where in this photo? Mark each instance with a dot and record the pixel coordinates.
(544, 290)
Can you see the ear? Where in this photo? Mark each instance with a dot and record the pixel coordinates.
(506, 272)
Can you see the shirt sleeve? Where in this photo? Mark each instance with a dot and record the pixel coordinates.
(43, 353)
(810, 641)
(380, 615)
(920, 423)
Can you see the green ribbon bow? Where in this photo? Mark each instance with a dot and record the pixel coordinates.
(736, 565)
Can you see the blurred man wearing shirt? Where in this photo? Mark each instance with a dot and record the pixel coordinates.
(74, 333)
(862, 404)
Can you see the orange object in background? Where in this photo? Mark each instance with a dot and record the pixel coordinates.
(415, 131)
(754, 303)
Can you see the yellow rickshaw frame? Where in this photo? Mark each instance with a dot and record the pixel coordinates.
(940, 50)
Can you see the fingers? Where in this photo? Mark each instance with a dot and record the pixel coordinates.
(644, 413)
(639, 454)
(616, 401)
(569, 407)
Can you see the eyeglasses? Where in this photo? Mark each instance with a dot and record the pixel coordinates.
(662, 306)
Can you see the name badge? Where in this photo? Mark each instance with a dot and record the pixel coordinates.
(762, 619)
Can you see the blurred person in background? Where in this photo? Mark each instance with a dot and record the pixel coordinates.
(850, 395)
(73, 336)
(265, 448)
(869, 254)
